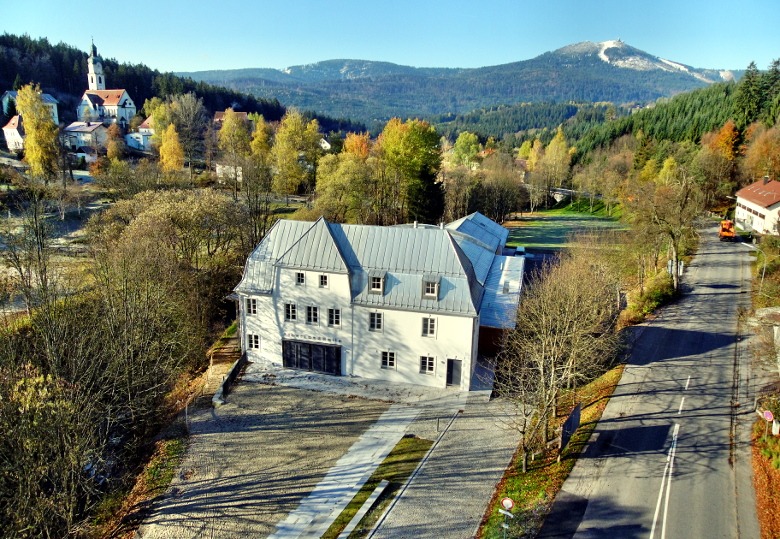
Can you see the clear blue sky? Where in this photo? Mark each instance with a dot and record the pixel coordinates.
(195, 35)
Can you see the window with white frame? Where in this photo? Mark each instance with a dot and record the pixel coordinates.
(430, 289)
(388, 360)
(334, 317)
(375, 322)
(251, 306)
(376, 284)
(290, 313)
(427, 364)
(429, 327)
(312, 315)
(323, 281)
(300, 278)
(253, 341)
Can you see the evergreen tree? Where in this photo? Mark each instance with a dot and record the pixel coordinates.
(18, 83)
(10, 110)
(747, 102)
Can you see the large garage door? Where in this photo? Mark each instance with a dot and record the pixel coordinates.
(312, 357)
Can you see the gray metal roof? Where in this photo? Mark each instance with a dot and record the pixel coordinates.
(315, 250)
(499, 309)
(47, 98)
(481, 228)
(403, 256)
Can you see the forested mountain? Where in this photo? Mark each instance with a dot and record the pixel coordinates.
(376, 91)
(61, 70)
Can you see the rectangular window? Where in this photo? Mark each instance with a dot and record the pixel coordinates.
(312, 316)
(289, 312)
(427, 365)
(253, 341)
(323, 281)
(375, 322)
(430, 289)
(429, 327)
(376, 283)
(300, 278)
(251, 306)
(334, 317)
(388, 360)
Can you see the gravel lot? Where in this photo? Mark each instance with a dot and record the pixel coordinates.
(252, 461)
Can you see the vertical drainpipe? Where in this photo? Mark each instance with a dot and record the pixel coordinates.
(352, 339)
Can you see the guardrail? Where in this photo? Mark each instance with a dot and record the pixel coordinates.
(218, 399)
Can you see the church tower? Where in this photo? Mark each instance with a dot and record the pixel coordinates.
(96, 79)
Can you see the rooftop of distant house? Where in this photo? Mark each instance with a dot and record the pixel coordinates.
(764, 192)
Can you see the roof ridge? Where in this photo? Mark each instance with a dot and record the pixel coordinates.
(281, 262)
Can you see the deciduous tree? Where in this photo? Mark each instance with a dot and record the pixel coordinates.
(171, 152)
(41, 146)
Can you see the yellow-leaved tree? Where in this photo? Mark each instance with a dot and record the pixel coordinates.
(171, 152)
(40, 146)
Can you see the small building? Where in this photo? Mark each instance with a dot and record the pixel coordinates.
(80, 134)
(48, 100)
(14, 134)
(411, 303)
(141, 139)
(89, 154)
(758, 206)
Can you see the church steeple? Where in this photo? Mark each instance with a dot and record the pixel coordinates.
(95, 76)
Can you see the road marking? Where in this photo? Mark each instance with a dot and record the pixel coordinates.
(669, 461)
(688, 382)
(681, 406)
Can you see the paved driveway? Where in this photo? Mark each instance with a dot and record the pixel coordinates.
(253, 460)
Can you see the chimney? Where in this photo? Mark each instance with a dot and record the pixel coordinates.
(766, 180)
(415, 224)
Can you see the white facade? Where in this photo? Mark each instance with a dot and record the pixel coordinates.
(758, 207)
(101, 105)
(48, 100)
(139, 141)
(403, 304)
(80, 134)
(95, 77)
(14, 134)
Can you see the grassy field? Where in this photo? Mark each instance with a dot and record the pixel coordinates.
(553, 228)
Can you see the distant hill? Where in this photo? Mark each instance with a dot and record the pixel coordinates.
(376, 91)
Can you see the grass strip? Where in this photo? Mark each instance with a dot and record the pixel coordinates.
(534, 491)
(766, 479)
(396, 468)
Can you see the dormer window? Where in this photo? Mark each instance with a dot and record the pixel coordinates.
(430, 286)
(376, 282)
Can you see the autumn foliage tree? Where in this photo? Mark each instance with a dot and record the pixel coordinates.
(171, 151)
(41, 148)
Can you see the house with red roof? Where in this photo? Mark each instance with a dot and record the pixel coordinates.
(141, 139)
(758, 206)
(14, 133)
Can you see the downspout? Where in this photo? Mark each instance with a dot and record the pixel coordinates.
(352, 341)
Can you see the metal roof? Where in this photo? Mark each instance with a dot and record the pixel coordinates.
(47, 98)
(316, 250)
(481, 228)
(499, 309)
(403, 256)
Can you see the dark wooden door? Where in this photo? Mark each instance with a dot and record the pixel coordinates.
(453, 372)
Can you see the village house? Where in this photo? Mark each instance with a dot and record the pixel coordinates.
(141, 139)
(101, 105)
(758, 206)
(14, 129)
(87, 134)
(411, 303)
(48, 100)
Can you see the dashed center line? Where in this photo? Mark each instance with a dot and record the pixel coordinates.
(688, 382)
(681, 406)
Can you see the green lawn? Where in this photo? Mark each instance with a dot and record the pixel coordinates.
(552, 229)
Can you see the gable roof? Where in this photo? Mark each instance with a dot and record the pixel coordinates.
(502, 292)
(146, 124)
(83, 127)
(15, 124)
(316, 250)
(480, 227)
(760, 193)
(106, 98)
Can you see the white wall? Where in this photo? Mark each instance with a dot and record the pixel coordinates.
(767, 225)
(360, 348)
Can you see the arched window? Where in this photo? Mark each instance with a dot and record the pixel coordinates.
(92, 79)
(100, 80)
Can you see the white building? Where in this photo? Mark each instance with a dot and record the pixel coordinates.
(48, 100)
(80, 134)
(101, 105)
(141, 139)
(14, 133)
(408, 303)
(758, 206)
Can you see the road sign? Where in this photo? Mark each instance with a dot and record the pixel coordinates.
(506, 513)
(507, 503)
(768, 416)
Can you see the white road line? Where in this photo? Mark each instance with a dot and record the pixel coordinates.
(681, 406)
(688, 382)
(663, 483)
(671, 473)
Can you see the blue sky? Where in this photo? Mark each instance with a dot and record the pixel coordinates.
(195, 35)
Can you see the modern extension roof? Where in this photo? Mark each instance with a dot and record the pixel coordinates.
(764, 194)
(405, 257)
(502, 292)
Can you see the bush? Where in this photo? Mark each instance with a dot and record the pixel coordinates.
(204, 179)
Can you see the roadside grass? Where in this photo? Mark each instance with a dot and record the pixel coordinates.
(396, 468)
(535, 491)
(766, 479)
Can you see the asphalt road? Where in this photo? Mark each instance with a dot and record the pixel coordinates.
(661, 463)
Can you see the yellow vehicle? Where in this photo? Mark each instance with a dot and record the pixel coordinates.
(727, 232)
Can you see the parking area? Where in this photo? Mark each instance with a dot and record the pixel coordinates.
(251, 462)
